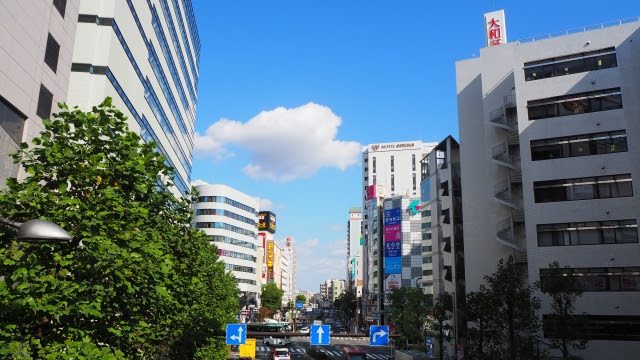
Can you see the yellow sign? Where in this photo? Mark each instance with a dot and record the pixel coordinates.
(270, 254)
(248, 349)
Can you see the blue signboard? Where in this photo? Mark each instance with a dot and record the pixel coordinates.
(378, 335)
(429, 347)
(236, 334)
(320, 335)
(393, 216)
(392, 249)
(393, 265)
(299, 304)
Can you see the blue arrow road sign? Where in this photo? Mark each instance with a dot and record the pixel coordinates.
(236, 334)
(320, 334)
(378, 335)
(299, 304)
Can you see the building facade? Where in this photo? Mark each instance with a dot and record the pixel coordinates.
(289, 251)
(143, 54)
(36, 48)
(355, 243)
(229, 218)
(550, 129)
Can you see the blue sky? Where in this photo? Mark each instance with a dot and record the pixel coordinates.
(289, 90)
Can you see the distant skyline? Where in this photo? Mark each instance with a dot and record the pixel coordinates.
(290, 91)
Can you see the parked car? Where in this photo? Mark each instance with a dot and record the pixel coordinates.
(304, 330)
(281, 354)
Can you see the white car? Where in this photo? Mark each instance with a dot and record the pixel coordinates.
(281, 354)
(304, 330)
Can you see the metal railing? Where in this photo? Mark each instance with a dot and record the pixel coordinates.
(580, 30)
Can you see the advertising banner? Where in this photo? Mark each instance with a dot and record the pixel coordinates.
(393, 265)
(392, 281)
(393, 216)
(392, 249)
(392, 233)
(371, 192)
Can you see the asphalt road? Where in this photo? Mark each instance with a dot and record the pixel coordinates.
(299, 347)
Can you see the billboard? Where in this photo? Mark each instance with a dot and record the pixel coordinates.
(495, 28)
(392, 249)
(393, 241)
(393, 216)
(270, 254)
(267, 221)
(371, 192)
(393, 265)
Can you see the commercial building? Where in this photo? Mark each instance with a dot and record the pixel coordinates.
(229, 218)
(36, 45)
(289, 252)
(330, 290)
(550, 130)
(355, 243)
(442, 232)
(143, 54)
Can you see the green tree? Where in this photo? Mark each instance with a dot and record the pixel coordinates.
(272, 297)
(302, 298)
(441, 320)
(481, 337)
(346, 306)
(567, 329)
(409, 309)
(137, 282)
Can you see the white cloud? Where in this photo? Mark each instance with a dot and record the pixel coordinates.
(265, 204)
(320, 261)
(199, 182)
(284, 144)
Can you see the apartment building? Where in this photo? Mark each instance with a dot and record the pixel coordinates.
(143, 54)
(355, 246)
(229, 217)
(36, 46)
(550, 159)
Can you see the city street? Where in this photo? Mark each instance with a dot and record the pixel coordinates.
(300, 346)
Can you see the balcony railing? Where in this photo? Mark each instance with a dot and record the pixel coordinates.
(500, 153)
(502, 192)
(580, 30)
(504, 232)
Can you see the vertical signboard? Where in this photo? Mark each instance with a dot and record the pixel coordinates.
(267, 221)
(495, 28)
(270, 257)
(393, 241)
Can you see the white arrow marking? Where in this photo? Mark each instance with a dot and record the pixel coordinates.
(320, 332)
(380, 333)
(239, 337)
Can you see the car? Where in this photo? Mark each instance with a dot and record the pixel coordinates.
(281, 354)
(276, 341)
(304, 330)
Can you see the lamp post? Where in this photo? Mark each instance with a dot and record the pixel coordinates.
(38, 231)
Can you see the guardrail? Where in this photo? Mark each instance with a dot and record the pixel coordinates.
(263, 334)
(580, 30)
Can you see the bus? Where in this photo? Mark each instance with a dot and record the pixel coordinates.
(268, 327)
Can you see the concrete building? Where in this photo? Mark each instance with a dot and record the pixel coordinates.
(355, 243)
(289, 251)
(36, 46)
(442, 233)
(285, 275)
(330, 290)
(550, 149)
(229, 218)
(143, 54)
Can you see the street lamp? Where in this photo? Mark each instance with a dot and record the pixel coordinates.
(37, 230)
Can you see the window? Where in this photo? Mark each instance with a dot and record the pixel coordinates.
(225, 226)
(599, 187)
(392, 183)
(51, 53)
(228, 214)
(427, 272)
(413, 163)
(392, 163)
(579, 145)
(374, 164)
(446, 219)
(595, 327)
(588, 233)
(414, 181)
(374, 179)
(236, 255)
(45, 100)
(11, 120)
(226, 200)
(587, 102)
(239, 268)
(61, 6)
(232, 241)
(571, 64)
(595, 279)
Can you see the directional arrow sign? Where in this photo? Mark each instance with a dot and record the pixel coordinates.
(236, 334)
(378, 335)
(320, 334)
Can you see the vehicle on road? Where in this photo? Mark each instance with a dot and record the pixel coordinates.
(304, 330)
(353, 353)
(281, 354)
(276, 342)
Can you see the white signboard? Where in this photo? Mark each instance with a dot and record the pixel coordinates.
(495, 27)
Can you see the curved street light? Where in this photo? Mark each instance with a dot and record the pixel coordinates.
(37, 230)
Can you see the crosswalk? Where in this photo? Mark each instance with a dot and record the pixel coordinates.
(331, 352)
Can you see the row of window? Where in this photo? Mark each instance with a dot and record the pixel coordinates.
(228, 214)
(572, 64)
(246, 281)
(232, 241)
(597, 187)
(236, 255)
(579, 145)
(194, 68)
(594, 279)
(146, 131)
(226, 200)
(586, 102)
(176, 45)
(193, 30)
(11, 120)
(239, 268)
(588, 233)
(225, 226)
(593, 327)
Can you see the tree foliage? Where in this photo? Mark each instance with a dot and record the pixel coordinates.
(409, 309)
(271, 297)
(137, 282)
(564, 290)
(301, 297)
(441, 315)
(502, 316)
(346, 306)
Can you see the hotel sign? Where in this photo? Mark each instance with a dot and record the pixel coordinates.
(392, 146)
(495, 28)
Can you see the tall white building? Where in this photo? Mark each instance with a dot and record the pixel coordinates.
(550, 160)
(355, 245)
(289, 250)
(229, 218)
(35, 60)
(143, 54)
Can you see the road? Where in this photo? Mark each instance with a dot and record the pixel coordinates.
(299, 347)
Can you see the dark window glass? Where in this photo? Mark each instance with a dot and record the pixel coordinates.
(583, 188)
(51, 53)
(571, 64)
(594, 327)
(611, 102)
(45, 100)
(593, 101)
(61, 6)
(588, 233)
(11, 120)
